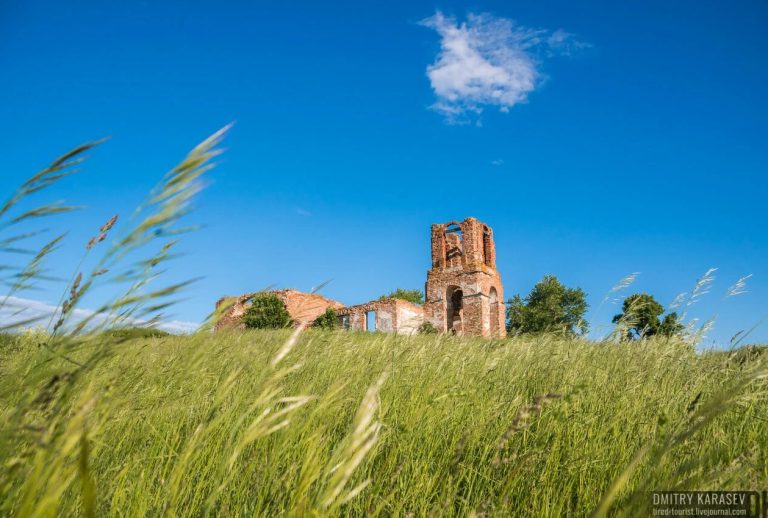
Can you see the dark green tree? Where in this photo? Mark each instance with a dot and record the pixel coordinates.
(328, 320)
(266, 312)
(671, 326)
(549, 307)
(640, 318)
(415, 296)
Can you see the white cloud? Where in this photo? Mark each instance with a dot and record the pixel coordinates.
(497, 162)
(178, 326)
(488, 61)
(16, 311)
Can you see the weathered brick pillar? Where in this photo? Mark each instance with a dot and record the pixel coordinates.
(464, 263)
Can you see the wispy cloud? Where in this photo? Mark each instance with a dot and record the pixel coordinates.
(488, 61)
(497, 162)
(564, 43)
(17, 310)
(302, 212)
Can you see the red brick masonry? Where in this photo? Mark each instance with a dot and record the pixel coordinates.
(464, 293)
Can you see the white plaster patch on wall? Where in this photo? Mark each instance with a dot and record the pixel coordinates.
(409, 321)
(384, 322)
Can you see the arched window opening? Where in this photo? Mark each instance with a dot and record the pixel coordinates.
(454, 309)
(454, 244)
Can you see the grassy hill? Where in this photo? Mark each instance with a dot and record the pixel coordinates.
(258, 423)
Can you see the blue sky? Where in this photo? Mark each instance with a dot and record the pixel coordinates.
(596, 138)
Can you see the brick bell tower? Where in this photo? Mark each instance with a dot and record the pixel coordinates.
(464, 294)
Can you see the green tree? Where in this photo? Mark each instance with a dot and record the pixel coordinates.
(266, 312)
(640, 318)
(415, 296)
(549, 307)
(671, 326)
(328, 320)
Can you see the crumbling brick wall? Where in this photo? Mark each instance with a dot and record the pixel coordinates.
(305, 307)
(391, 316)
(302, 307)
(464, 293)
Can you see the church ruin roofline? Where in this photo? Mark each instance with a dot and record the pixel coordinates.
(302, 307)
(463, 292)
(376, 302)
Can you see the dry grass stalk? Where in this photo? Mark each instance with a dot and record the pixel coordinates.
(739, 287)
(365, 433)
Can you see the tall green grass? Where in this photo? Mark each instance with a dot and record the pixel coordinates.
(327, 423)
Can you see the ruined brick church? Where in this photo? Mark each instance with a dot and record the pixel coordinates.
(463, 293)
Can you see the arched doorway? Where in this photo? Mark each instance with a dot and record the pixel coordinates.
(454, 298)
(494, 299)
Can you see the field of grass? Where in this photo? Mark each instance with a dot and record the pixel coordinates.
(331, 423)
